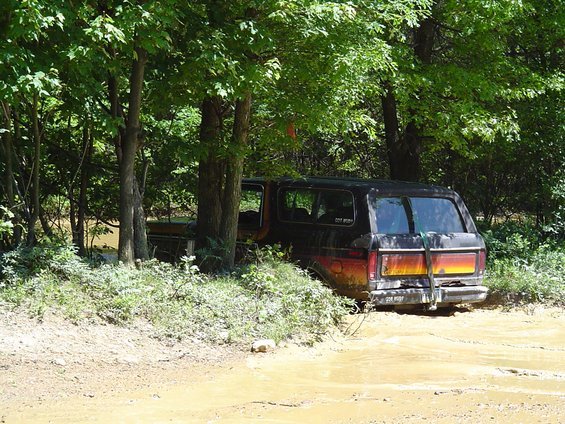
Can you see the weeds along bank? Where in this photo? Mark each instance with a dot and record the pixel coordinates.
(267, 299)
(525, 264)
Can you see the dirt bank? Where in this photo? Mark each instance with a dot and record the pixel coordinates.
(55, 359)
(478, 366)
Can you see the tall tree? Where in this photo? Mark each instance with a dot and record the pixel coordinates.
(127, 163)
(404, 145)
(28, 78)
(250, 45)
(131, 35)
(459, 83)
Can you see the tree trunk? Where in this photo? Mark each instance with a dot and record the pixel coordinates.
(115, 113)
(8, 168)
(71, 192)
(73, 215)
(403, 148)
(424, 40)
(392, 135)
(84, 180)
(47, 229)
(127, 164)
(23, 210)
(234, 174)
(210, 174)
(141, 248)
(9, 180)
(35, 203)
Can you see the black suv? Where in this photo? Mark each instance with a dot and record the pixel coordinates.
(390, 242)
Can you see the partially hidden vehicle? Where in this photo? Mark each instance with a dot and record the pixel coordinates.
(387, 242)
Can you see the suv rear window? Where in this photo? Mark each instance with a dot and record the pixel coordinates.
(437, 215)
(402, 215)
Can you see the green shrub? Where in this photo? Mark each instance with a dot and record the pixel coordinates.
(6, 225)
(525, 263)
(286, 294)
(538, 276)
(27, 262)
(512, 239)
(556, 226)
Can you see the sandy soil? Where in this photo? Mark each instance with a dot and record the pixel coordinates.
(55, 359)
(473, 365)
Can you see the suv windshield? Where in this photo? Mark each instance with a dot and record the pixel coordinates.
(401, 215)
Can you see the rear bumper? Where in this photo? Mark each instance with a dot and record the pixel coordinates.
(465, 294)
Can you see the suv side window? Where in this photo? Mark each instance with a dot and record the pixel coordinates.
(322, 206)
(250, 206)
(336, 208)
(296, 204)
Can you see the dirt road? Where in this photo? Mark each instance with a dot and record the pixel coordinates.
(473, 366)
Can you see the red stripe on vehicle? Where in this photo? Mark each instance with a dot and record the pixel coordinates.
(415, 264)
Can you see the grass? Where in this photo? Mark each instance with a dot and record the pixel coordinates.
(267, 299)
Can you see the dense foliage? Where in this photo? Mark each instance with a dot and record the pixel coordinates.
(115, 109)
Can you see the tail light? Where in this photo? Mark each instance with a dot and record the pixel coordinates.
(372, 266)
(482, 261)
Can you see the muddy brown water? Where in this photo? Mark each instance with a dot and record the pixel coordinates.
(474, 366)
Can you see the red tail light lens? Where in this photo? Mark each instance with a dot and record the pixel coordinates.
(372, 266)
(482, 261)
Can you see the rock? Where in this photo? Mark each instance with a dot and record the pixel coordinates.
(60, 361)
(224, 336)
(265, 345)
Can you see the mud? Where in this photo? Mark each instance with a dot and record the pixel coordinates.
(475, 366)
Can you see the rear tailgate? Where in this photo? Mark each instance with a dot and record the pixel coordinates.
(457, 262)
(426, 249)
